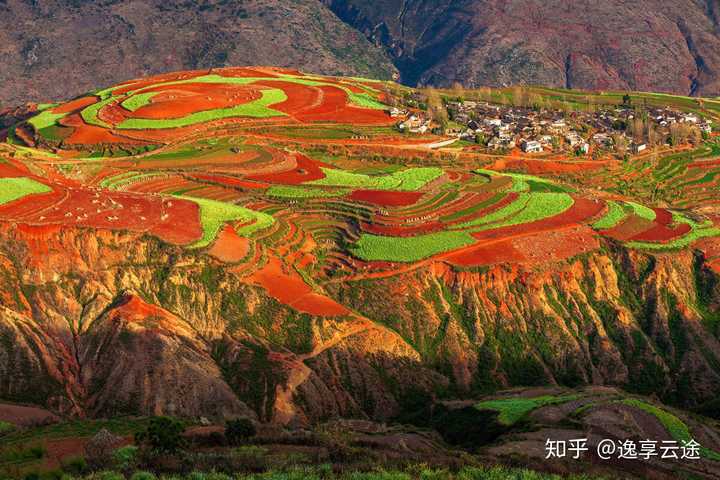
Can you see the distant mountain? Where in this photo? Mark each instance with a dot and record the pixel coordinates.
(53, 48)
(652, 45)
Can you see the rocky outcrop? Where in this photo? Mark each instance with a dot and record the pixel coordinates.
(97, 323)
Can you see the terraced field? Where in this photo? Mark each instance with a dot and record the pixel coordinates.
(301, 181)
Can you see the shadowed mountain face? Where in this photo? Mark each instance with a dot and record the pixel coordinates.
(643, 45)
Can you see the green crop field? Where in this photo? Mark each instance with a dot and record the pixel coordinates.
(511, 410)
(256, 109)
(295, 192)
(213, 215)
(45, 119)
(527, 183)
(405, 180)
(136, 101)
(408, 249)
(677, 429)
(614, 215)
(90, 114)
(643, 211)
(16, 188)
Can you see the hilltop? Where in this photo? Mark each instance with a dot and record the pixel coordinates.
(294, 248)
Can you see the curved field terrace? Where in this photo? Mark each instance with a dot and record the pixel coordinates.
(295, 181)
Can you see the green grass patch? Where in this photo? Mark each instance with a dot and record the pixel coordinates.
(643, 211)
(45, 119)
(405, 180)
(6, 427)
(527, 183)
(511, 410)
(256, 109)
(213, 215)
(408, 249)
(137, 101)
(296, 192)
(365, 100)
(614, 215)
(529, 207)
(15, 188)
(675, 427)
(90, 114)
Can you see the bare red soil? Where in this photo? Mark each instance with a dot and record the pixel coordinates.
(306, 170)
(285, 285)
(630, 228)
(386, 198)
(177, 101)
(23, 416)
(75, 105)
(662, 233)
(174, 220)
(229, 247)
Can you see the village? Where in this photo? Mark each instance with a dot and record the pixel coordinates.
(622, 130)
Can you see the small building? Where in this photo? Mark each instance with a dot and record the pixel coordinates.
(531, 146)
(638, 147)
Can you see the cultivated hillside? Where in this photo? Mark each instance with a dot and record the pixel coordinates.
(263, 242)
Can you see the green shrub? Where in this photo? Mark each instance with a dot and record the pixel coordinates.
(239, 430)
(125, 457)
(74, 465)
(6, 427)
(162, 434)
(143, 476)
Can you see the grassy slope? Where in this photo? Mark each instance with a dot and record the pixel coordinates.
(15, 188)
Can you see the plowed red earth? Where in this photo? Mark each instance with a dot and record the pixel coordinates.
(12, 170)
(181, 100)
(334, 108)
(229, 246)
(283, 284)
(306, 170)
(75, 105)
(386, 198)
(85, 134)
(630, 228)
(175, 221)
(662, 233)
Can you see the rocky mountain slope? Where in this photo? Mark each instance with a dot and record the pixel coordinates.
(61, 47)
(96, 335)
(649, 45)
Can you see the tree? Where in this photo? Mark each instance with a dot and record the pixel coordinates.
(239, 430)
(163, 434)
(436, 108)
(627, 101)
(458, 91)
(620, 143)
